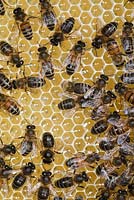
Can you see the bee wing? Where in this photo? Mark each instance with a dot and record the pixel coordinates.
(49, 18)
(14, 35)
(46, 66)
(23, 147)
(35, 187)
(5, 187)
(34, 151)
(68, 59)
(4, 58)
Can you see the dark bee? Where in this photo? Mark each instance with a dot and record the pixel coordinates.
(111, 182)
(9, 104)
(69, 181)
(105, 194)
(72, 61)
(20, 179)
(23, 23)
(58, 198)
(48, 140)
(7, 149)
(2, 9)
(77, 88)
(127, 38)
(99, 127)
(48, 143)
(127, 93)
(131, 189)
(65, 28)
(82, 160)
(2, 162)
(106, 32)
(119, 160)
(109, 29)
(7, 50)
(102, 110)
(47, 68)
(127, 78)
(96, 90)
(5, 82)
(47, 14)
(125, 178)
(106, 145)
(28, 144)
(129, 65)
(28, 82)
(67, 104)
(118, 60)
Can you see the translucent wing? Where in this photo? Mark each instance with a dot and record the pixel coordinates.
(46, 67)
(49, 19)
(14, 35)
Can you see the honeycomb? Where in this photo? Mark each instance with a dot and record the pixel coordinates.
(39, 106)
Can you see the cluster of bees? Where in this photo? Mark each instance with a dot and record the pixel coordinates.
(116, 127)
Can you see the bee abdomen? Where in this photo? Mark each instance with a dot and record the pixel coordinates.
(81, 88)
(4, 82)
(50, 74)
(18, 181)
(66, 104)
(70, 69)
(28, 147)
(99, 127)
(129, 96)
(64, 182)
(5, 48)
(26, 30)
(43, 193)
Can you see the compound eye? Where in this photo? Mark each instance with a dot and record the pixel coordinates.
(17, 10)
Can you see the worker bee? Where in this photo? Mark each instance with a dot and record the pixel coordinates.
(28, 82)
(48, 143)
(102, 110)
(77, 88)
(107, 144)
(127, 38)
(96, 91)
(47, 68)
(44, 186)
(127, 78)
(121, 195)
(20, 178)
(106, 32)
(111, 181)
(60, 34)
(82, 160)
(22, 21)
(129, 65)
(7, 149)
(29, 143)
(118, 60)
(72, 61)
(112, 47)
(119, 160)
(47, 14)
(67, 104)
(69, 181)
(7, 50)
(5, 82)
(9, 104)
(127, 93)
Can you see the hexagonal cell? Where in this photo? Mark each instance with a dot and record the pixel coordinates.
(106, 4)
(74, 11)
(118, 10)
(36, 105)
(68, 138)
(63, 5)
(96, 10)
(98, 64)
(67, 124)
(46, 111)
(78, 118)
(85, 17)
(79, 144)
(91, 190)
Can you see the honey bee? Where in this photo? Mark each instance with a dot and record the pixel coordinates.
(77, 88)
(127, 93)
(129, 66)
(119, 160)
(20, 178)
(105, 194)
(44, 186)
(131, 188)
(28, 82)
(107, 144)
(121, 195)
(69, 181)
(5, 82)
(127, 38)
(47, 14)
(106, 32)
(29, 143)
(82, 160)
(47, 68)
(22, 21)
(129, 111)
(127, 78)
(72, 61)
(9, 104)
(102, 110)
(60, 34)
(7, 50)
(96, 91)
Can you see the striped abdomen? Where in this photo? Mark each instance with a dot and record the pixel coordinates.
(66, 104)
(99, 127)
(26, 30)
